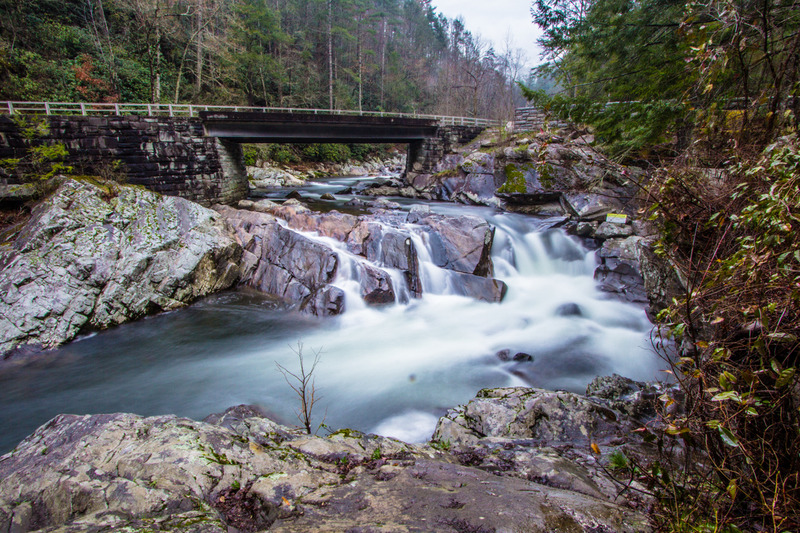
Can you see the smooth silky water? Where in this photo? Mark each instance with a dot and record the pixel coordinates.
(391, 370)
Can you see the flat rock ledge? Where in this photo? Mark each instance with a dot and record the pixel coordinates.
(510, 460)
(96, 255)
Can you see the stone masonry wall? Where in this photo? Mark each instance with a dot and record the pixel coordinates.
(424, 155)
(167, 155)
(533, 119)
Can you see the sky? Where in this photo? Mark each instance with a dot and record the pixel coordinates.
(494, 20)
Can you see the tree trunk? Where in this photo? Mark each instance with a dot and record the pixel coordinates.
(330, 54)
(198, 82)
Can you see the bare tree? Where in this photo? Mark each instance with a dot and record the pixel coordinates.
(302, 383)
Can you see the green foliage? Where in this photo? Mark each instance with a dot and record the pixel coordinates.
(515, 180)
(441, 445)
(326, 153)
(739, 323)
(282, 153)
(43, 159)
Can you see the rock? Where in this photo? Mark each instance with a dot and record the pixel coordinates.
(618, 273)
(376, 285)
(478, 163)
(550, 437)
(327, 196)
(633, 398)
(590, 206)
(418, 212)
(586, 229)
(285, 264)
(518, 412)
(662, 281)
(294, 195)
(474, 188)
(18, 193)
(102, 255)
(243, 472)
(610, 230)
(461, 243)
(383, 203)
(570, 309)
(480, 288)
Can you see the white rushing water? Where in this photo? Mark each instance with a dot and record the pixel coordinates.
(392, 370)
(397, 368)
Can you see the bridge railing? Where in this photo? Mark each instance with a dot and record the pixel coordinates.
(193, 110)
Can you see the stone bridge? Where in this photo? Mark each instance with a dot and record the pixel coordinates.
(195, 151)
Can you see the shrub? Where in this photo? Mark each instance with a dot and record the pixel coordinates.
(738, 329)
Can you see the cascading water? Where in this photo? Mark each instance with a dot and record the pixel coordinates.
(392, 369)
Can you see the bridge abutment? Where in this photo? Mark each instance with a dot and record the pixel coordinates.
(168, 155)
(425, 155)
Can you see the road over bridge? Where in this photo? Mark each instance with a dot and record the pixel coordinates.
(195, 151)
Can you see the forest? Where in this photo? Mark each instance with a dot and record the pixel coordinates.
(384, 55)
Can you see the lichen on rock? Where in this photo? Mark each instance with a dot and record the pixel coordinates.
(96, 257)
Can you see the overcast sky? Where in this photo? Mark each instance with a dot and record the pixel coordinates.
(494, 19)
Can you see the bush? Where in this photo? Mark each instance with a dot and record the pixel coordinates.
(253, 153)
(738, 327)
(283, 153)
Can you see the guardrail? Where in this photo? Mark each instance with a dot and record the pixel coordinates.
(193, 110)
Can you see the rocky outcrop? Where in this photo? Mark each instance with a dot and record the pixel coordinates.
(549, 174)
(98, 255)
(299, 269)
(240, 471)
(285, 264)
(557, 439)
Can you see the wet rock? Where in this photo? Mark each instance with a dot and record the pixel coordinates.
(523, 357)
(100, 256)
(569, 309)
(460, 243)
(590, 206)
(619, 273)
(294, 195)
(418, 212)
(585, 229)
(285, 264)
(376, 285)
(480, 288)
(327, 196)
(383, 203)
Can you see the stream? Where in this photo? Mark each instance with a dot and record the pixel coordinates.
(391, 370)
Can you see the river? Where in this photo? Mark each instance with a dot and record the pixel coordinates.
(391, 370)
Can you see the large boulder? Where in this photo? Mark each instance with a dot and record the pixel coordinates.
(242, 472)
(95, 255)
(460, 243)
(286, 264)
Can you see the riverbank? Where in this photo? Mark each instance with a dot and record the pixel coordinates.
(510, 460)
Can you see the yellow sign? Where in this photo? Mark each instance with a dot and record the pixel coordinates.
(617, 218)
